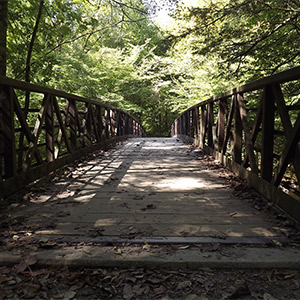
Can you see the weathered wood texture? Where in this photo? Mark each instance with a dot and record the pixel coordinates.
(56, 129)
(258, 136)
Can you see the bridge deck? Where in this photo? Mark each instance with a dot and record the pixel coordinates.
(147, 187)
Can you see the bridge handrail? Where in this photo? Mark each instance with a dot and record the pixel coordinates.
(42, 129)
(247, 138)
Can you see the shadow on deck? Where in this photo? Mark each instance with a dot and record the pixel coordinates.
(146, 191)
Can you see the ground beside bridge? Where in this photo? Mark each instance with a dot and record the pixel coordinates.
(150, 202)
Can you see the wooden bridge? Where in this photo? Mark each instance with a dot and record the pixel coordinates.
(153, 190)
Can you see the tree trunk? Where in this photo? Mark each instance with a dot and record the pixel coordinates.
(30, 48)
(3, 35)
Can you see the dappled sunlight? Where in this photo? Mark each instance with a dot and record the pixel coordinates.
(144, 195)
(84, 198)
(186, 183)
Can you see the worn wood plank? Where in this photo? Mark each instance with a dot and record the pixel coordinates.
(210, 125)
(268, 109)
(203, 129)
(228, 127)
(71, 113)
(221, 122)
(49, 128)
(237, 132)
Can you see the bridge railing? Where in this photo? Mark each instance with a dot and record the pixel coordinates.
(42, 129)
(254, 130)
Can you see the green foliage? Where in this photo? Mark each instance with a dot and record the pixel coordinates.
(110, 51)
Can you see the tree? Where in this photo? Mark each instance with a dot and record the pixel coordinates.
(3, 35)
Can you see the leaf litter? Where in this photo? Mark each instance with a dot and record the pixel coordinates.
(145, 283)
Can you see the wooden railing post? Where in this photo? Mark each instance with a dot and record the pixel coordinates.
(268, 109)
(221, 123)
(72, 123)
(237, 132)
(203, 125)
(7, 132)
(196, 123)
(49, 131)
(107, 123)
(210, 124)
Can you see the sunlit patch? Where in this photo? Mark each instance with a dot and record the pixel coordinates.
(85, 198)
(106, 222)
(40, 199)
(164, 148)
(263, 232)
(186, 183)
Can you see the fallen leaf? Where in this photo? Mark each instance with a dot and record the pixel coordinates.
(5, 279)
(69, 295)
(268, 296)
(297, 295)
(31, 290)
(240, 291)
(277, 243)
(159, 291)
(184, 284)
(192, 297)
(127, 292)
(138, 290)
(183, 247)
(149, 206)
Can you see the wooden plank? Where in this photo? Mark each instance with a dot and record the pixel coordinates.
(94, 124)
(203, 125)
(287, 126)
(210, 125)
(268, 109)
(99, 124)
(107, 123)
(237, 132)
(221, 122)
(288, 152)
(248, 140)
(113, 125)
(49, 126)
(196, 122)
(287, 203)
(87, 124)
(80, 128)
(228, 127)
(71, 111)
